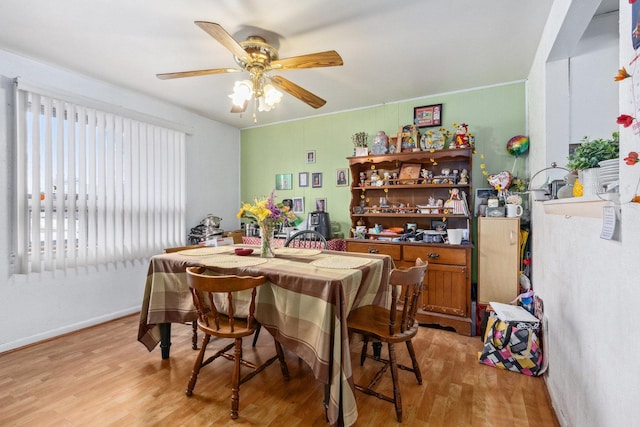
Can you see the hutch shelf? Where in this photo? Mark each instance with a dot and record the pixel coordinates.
(392, 194)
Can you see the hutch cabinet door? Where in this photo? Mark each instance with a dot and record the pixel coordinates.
(446, 290)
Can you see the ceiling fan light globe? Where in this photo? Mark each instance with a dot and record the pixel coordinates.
(271, 95)
(263, 105)
(242, 92)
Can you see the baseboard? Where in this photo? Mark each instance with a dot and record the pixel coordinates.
(43, 336)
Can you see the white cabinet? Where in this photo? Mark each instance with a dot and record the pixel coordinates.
(498, 259)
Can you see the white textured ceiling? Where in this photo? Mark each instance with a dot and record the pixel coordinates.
(392, 50)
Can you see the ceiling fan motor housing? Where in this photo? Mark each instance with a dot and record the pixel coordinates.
(260, 53)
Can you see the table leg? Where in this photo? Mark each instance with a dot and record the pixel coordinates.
(377, 349)
(165, 339)
(325, 402)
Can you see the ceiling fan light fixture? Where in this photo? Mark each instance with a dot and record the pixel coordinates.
(242, 92)
(270, 98)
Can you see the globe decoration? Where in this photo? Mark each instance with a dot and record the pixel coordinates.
(518, 145)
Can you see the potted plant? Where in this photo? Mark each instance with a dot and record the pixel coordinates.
(587, 157)
(360, 143)
(590, 153)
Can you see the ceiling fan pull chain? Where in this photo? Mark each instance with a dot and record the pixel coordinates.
(255, 103)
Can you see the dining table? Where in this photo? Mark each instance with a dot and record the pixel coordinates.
(304, 304)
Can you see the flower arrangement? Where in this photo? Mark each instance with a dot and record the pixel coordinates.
(268, 215)
(514, 199)
(519, 185)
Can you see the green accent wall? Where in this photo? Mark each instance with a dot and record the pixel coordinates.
(494, 115)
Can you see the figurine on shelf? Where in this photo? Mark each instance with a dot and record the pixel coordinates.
(386, 177)
(455, 203)
(394, 177)
(375, 179)
(380, 143)
(464, 177)
(424, 173)
(432, 201)
(363, 179)
(461, 138)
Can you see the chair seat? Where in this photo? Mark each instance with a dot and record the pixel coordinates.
(240, 328)
(374, 321)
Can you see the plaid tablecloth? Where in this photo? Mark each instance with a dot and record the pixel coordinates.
(334, 244)
(304, 305)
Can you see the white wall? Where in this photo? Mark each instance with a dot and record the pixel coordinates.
(594, 93)
(589, 285)
(62, 302)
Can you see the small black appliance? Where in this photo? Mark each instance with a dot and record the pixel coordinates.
(320, 222)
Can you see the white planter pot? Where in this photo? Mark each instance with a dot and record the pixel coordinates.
(589, 180)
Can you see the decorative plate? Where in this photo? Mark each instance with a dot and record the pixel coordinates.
(432, 140)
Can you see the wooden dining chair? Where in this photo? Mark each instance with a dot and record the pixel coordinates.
(194, 327)
(392, 325)
(225, 317)
(300, 239)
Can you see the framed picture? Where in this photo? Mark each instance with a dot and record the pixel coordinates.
(303, 179)
(342, 177)
(321, 205)
(298, 205)
(409, 173)
(428, 116)
(438, 225)
(311, 156)
(283, 181)
(316, 179)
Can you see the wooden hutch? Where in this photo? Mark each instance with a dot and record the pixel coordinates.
(390, 192)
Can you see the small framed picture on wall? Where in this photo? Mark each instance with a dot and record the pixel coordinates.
(342, 177)
(316, 179)
(283, 181)
(298, 205)
(321, 205)
(303, 179)
(311, 156)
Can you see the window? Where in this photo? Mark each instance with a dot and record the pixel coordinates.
(93, 187)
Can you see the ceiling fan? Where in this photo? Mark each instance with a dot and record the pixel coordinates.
(259, 58)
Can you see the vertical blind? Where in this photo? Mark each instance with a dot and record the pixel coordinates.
(93, 187)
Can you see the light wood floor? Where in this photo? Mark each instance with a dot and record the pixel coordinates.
(102, 376)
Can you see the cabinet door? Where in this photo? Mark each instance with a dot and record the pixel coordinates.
(498, 259)
(446, 289)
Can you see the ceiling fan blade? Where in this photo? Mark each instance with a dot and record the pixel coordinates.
(194, 73)
(217, 32)
(297, 91)
(330, 58)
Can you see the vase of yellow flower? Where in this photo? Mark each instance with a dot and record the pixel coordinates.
(266, 240)
(269, 216)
